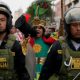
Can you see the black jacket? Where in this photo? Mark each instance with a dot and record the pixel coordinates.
(19, 59)
(53, 62)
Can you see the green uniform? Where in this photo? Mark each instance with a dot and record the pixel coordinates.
(70, 69)
(7, 61)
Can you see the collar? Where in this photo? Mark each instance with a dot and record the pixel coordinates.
(76, 45)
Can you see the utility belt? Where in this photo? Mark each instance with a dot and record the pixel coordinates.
(40, 60)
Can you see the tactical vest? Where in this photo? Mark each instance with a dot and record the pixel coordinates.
(70, 69)
(7, 61)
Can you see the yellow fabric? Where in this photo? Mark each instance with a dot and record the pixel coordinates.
(55, 35)
(37, 77)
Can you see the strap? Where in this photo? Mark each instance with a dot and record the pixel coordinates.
(66, 60)
(10, 41)
(66, 54)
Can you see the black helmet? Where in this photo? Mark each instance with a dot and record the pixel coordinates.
(72, 15)
(4, 9)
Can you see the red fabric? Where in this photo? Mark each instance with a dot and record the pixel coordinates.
(27, 17)
(31, 41)
(49, 40)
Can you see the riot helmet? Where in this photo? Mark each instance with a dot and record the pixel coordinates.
(4, 9)
(71, 16)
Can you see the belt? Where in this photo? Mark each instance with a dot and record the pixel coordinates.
(40, 60)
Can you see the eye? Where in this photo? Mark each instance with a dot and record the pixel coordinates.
(39, 27)
(2, 19)
(74, 24)
(35, 27)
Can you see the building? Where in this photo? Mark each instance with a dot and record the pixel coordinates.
(67, 4)
(58, 13)
(71, 3)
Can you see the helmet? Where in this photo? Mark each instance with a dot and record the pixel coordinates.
(4, 9)
(72, 15)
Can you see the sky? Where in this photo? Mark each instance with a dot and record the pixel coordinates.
(18, 4)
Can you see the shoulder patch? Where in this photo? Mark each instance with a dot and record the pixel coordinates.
(59, 51)
(13, 53)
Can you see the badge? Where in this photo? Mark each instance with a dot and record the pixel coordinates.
(60, 51)
(13, 53)
(3, 63)
(75, 63)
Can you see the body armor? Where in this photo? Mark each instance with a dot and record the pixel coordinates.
(70, 67)
(7, 61)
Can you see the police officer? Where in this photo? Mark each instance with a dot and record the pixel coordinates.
(12, 60)
(63, 60)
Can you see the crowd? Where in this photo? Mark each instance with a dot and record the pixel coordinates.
(30, 52)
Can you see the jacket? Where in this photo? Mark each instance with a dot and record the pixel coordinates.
(53, 62)
(19, 59)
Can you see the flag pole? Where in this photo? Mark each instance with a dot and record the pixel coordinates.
(61, 29)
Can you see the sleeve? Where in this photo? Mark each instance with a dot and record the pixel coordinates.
(19, 63)
(25, 27)
(52, 63)
(49, 40)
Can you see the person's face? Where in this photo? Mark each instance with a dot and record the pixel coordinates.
(3, 22)
(75, 29)
(40, 31)
(48, 31)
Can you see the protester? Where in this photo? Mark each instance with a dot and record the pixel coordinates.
(23, 25)
(63, 60)
(40, 44)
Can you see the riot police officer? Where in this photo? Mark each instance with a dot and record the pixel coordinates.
(12, 60)
(63, 60)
